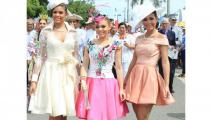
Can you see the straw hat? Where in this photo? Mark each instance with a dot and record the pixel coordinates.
(74, 17)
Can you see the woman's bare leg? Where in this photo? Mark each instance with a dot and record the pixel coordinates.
(135, 109)
(58, 118)
(142, 111)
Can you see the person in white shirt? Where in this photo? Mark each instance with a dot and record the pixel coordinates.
(91, 30)
(31, 36)
(128, 43)
(74, 20)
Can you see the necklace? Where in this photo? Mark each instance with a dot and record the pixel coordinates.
(149, 34)
(59, 29)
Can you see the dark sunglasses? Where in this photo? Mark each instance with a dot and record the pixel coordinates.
(100, 26)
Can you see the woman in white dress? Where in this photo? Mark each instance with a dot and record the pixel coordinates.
(54, 76)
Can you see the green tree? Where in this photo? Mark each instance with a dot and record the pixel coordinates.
(134, 2)
(34, 8)
(155, 2)
(80, 7)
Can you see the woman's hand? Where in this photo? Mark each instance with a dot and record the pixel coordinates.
(126, 44)
(122, 94)
(32, 88)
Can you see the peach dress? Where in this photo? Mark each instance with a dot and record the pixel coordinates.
(145, 85)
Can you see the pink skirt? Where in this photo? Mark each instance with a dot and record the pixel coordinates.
(104, 100)
(146, 86)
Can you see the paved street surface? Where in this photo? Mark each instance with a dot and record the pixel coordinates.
(174, 111)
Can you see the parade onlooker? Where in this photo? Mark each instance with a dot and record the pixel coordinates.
(34, 44)
(178, 34)
(144, 85)
(105, 93)
(54, 75)
(183, 53)
(74, 20)
(31, 38)
(112, 31)
(129, 29)
(128, 43)
(172, 51)
(43, 21)
(91, 30)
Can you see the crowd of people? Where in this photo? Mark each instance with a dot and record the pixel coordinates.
(91, 71)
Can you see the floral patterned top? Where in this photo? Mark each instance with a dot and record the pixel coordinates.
(102, 59)
(33, 47)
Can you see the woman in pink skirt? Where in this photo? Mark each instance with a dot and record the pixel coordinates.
(103, 94)
(144, 85)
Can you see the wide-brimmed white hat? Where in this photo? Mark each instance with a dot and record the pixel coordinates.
(74, 17)
(139, 12)
(53, 3)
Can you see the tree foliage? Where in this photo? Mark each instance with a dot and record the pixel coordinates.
(80, 7)
(156, 3)
(36, 7)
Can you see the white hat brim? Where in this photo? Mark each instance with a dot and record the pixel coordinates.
(140, 12)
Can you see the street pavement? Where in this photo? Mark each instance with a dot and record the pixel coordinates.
(175, 111)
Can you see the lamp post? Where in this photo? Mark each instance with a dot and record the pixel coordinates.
(124, 14)
(168, 7)
(118, 16)
(128, 2)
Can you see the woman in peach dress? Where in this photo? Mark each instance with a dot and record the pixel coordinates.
(144, 85)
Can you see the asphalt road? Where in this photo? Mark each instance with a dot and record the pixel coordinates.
(175, 111)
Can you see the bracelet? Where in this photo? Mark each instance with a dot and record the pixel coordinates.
(83, 78)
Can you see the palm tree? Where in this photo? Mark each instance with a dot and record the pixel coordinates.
(155, 2)
(134, 2)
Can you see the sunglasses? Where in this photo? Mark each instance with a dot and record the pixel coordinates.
(100, 26)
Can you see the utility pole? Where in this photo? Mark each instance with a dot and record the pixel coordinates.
(128, 2)
(168, 8)
(124, 14)
(118, 16)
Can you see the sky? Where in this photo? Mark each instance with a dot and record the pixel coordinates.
(121, 5)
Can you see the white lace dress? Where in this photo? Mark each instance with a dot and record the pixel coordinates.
(56, 67)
